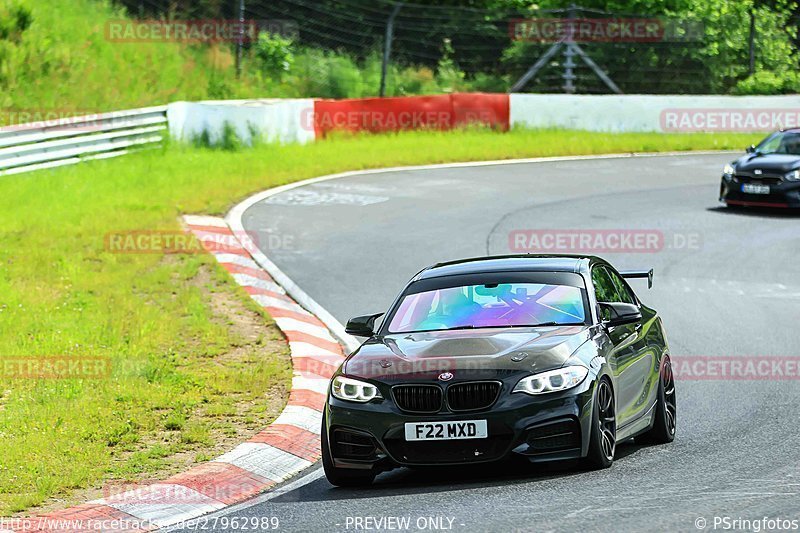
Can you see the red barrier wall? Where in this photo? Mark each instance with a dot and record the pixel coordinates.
(489, 109)
(440, 112)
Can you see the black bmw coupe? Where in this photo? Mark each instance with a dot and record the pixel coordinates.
(767, 176)
(539, 357)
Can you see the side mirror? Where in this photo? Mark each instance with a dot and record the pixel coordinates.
(362, 326)
(750, 149)
(618, 313)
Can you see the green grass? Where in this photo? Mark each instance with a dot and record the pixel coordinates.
(63, 62)
(58, 62)
(173, 386)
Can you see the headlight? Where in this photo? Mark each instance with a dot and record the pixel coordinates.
(552, 381)
(353, 390)
(794, 175)
(728, 170)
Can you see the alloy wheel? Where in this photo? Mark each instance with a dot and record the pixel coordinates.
(607, 420)
(670, 408)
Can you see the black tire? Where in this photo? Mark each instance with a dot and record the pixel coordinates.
(665, 423)
(341, 477)
(603, 438)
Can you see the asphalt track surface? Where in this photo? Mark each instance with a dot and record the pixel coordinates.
(727, 284)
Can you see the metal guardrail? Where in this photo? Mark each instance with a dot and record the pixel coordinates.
(66, 141)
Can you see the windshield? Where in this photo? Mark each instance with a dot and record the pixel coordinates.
(491, 305)
(780, 143)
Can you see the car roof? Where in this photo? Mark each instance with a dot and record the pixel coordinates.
(511, 263)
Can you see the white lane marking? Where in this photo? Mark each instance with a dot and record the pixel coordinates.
(163, 504)
(319, 385)
(358, 187)
(269, 301)
(302, 417)
(317, 198)
(218, 238)
(251, 281)
(236, 259)
(265, 460)
(788, 296)
(292, 324)
(237, 509)
(305, 349)
(204, 220)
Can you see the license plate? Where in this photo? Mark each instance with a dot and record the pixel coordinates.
(752, 188)
(460, 429)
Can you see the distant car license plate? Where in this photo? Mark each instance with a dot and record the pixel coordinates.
(460, 429)
(752, 188)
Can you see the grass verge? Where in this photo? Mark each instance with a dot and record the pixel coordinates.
(189, 373)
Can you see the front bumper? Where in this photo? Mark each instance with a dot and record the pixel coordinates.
(782, 194)
(540, 428)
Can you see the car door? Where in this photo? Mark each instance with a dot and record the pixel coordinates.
(628, 359)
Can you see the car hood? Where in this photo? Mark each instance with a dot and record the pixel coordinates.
(768, 164)
(467, 354)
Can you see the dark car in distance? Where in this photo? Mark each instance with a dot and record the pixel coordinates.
(768, 175)
(537, 357)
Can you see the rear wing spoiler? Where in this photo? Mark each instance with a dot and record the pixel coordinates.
(639, 274)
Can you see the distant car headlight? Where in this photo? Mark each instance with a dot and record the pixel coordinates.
(353, 390)
(728, 170)
(553, 380)
(794, 175)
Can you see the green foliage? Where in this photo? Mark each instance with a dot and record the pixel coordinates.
(65, 44)
(58, 58)
(714, 63)
(230, 140)
(447, 70)
(408, 81)
(14, 19)
(489, 83)
(274, 54)
(766, 82)
(219, 87)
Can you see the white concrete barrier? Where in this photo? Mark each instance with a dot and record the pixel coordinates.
(32, 146)
(272, 120)
(655, 113)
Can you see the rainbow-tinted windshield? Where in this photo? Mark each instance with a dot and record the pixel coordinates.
(492, 305)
